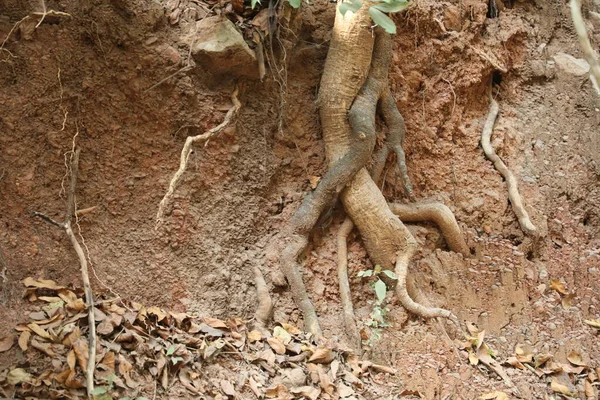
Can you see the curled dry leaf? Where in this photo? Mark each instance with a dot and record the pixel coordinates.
(314, 181)
(590, 393)
(594, 323)
(279, 392)
(309, 392)
(322, 355)
(291, 328)
(558, 387)
(276, 345)
(24, 340)
(576, 358)
(6, 343)
(495, 395)
(41, 284)
(557, 285)
(282, 334)
(39, 331)
(227, 388)
(17, 376)
(567, 300)
(254, 336)
(215, 323)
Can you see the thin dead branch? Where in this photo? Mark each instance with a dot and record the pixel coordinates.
(511, 182)
(89, 298)
(187, 149)
(586, 46)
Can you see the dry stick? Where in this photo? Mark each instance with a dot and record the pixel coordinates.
(89, 297)
(586, 46)
(511, 182)
(264, 311)
(187, 149)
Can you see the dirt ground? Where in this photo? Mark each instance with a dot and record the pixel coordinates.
(93, 74)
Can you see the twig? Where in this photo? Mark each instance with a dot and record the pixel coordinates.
(586, 46)
(89, 298)
(180, 70)
(453, 95)
(511, 182)
(4, 277)
(187, 149)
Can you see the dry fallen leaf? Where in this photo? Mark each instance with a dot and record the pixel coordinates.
(541, 359)
(594, 323)
(215, 323)
(39, 331)
(17, 376)
(24, 340)
(227, 388)
(291, 328)
(81, 352)
(276, 345)
(282, 334)
(558, 387)
(309, 392)
(590, 393)
(473, 358)
(71, 360)
(496, 395)
(254, 336)
(576, 358)
(314, 181)
(6, 343)
(279, 391)
(557, 285)
(109, 361)
(567, 300)
(322, 355)
(41, 284)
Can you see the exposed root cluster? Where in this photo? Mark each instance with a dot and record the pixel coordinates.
(511, 182)
(586, 46)
(354, 87)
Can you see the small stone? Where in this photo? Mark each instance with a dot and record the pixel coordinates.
(571, 65)
(543, 275)
(551, 326)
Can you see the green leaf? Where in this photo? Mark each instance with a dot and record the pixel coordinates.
(392, 6)
(390, 274)
(382, 20)
(380, 289)
(295, 3)
(352, 5)
(98, 390)
(171, 349)
(253, 3)
(365, 273)
(175, 360)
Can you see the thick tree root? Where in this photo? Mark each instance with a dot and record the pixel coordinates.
(264, 311)
(511, 182)
(439, 214)
(586, 46)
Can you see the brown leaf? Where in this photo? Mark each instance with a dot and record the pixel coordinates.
(105, 327)
(160, 314)
(309, 392)
(495, 395)
(513, 362)
(291, 328)
(80, 347)
(71, 360)
(72, 337)
(71, 382)
(322, 355)
(109, 361)
(17, 376)
(473, 358)
(6, 343)
(557, 285)
(575, 358)
(524, 353)
(215, 323)
(41, 284)
(408, 392)
(480, 338)
(44, 347)
(279, 391)
(276, 345)
(314, 181)
(558, 387)
(227, 388)
(344, 390)
(124, 366)
(567, 300)
(24, 340)
(541, 359)
(39, 331)
(324, 380)
(254, 386)
(254, 336)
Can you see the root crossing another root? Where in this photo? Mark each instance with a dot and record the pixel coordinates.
(513, 190)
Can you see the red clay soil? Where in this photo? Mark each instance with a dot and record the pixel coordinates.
(92, 75)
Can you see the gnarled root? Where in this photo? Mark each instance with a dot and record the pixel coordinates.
(439, 214)
(586, 46)
(264, 311)
(511, 182)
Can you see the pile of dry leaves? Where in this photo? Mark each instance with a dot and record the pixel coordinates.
(146, 352)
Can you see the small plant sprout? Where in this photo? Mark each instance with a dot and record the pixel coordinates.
(376, 319)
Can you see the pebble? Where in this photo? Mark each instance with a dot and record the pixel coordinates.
(551, 326)
(543, 275)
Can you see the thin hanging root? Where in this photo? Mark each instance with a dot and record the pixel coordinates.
(187, 149)
(584, 41)
(513, 191)
(440, 215)
(89, 297)
(345, 296)
(264, 311)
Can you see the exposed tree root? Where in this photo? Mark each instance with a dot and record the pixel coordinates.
(439, 214)
(511, 182)
(264, 311)
(584, 41)
(186, 151)
(89, 298)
